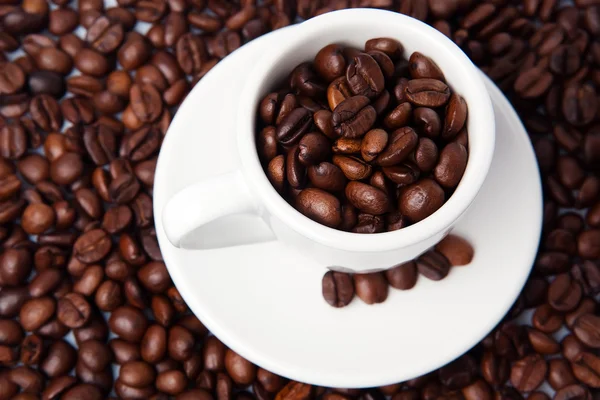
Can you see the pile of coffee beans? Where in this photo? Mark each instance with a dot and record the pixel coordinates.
(79, 257)
(339, 288)
(364, 140)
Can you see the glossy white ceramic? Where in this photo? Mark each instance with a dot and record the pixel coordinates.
(264, 300)
(246, 191)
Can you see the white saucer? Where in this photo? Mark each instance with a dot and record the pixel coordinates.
(264, 300)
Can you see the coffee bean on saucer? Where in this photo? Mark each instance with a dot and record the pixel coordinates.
(371, 288)
(338, 288)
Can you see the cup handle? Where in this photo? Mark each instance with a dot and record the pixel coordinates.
(210, 200)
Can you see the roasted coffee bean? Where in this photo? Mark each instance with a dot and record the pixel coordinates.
(320, 206)
(327, 176)
(573, 392)
(546, 319)
(402, 174)
(353, 117)
(337, 92)
(421, 66)
(364, 76)
(391, 47)
(367, 198)
(313, 148)
(579, 104)
(456, 249)
(347, 146)
(399, 116)
(128, 322)
(371, 288)
(400, 144)
(433, 265)
(564, 293)
(304, 80)
(73, 310)
(586, 369)
(528, 373)
(403, 276)
(294, 126)
(36, 312)
(559, 374)
(353, 167)
(373, 143)
(338, 288)
(330, 62)
(295, 169)
(421, 199)
(586, 330)
(427, 92)
(137, 374)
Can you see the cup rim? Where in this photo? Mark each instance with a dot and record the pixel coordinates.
(442, 219)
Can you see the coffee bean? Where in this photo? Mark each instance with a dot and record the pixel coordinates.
(337, 92)
(399, 116)
(564, 293)
(427, 92)
(403, 276)
(330, 62)
(353, 167)
(585, 328)
(559, 374)
(421, 199)
(586, 369)
(364, 76)
(391, 47)
(373, 143)
(367, 198)
(579, 103)
(573, 392)
(347, 146)
(433, 265)
(456, 249)
(546, 319)
(327, 176)
(241, 370)
(13, 140)
(338, 289)
(421, 66)
(128, 322)
(305, 81)
(451, 165)
(313, 148)
(320, 206)
(137, 374)
(92, 246)
(400, 144)
(294, 126)
(528, 373)
(371, 288)
(353, 117)
(73, 310)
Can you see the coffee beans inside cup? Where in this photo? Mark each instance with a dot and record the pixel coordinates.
(364, 141)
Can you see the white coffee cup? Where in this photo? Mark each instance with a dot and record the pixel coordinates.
(248, 190)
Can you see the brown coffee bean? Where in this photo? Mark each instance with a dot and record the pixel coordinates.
(403, 276)
(124, 351)
(433, 265)
(367, 198)
(586, 369)
(213, 353)
(528, 373)
(546, 319)
(303, 78)
(364, 76)
(313, 148)
(427, 92)
(559, 374)
(294, 126)
(128, 322)
(13, 139)
(327, 176)
(573, 392)
(456, 249)
(109, 296)
(295, 170)
(180, 344)
(421, 66)
(353, 117)
(399, 116)
(137, 374)
(171, 382)
(330, 62)
(373, 143)
(586, 330)
(421, 199)
(92, 246)
(36, 312)
(154, 344)
(400, 144)
(241, 370)
(353, 167)
(73, 310)
(542, 343)
(579, 103)
(451, 165)
(371, 288)
(347, 146)
(337, 92)
(320, 206)
(337, 288)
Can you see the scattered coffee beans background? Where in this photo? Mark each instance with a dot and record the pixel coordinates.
(79, 253)
(348, 154)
